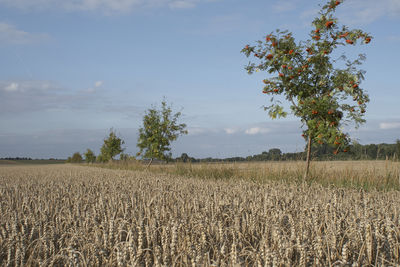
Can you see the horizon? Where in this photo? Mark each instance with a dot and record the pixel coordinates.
(179, 156)
(71, 70)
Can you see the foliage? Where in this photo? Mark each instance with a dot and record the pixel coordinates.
(398, 148)
(90, 157)
(317, 92)
(101, 159)
(112, 146)
(76, 158)
(185, 158)
(160, 128)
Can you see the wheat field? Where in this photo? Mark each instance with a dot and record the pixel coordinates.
(68, 215)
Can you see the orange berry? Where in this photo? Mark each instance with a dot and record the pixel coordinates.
(329, 24)
(349, 41)
(269, 56)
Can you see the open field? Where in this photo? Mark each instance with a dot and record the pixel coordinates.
(368, 175)
(84, 216)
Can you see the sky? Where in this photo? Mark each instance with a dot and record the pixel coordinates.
(71, 70)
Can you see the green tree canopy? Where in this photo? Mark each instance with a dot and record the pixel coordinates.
(323, 96)
(160, 128)
(76, 158)
(112, 146)
(89, 156)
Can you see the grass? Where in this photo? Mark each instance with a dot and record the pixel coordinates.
(366, 175)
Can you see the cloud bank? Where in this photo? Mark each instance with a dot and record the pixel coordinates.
(106, 6)
(10, 34)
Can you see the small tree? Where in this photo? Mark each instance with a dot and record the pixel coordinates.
(319, 94)
(89, 156)
(185, 157)
(100, 158)
(160, 128)
(112, 146)
(76, 158)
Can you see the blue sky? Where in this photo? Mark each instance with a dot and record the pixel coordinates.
(72, 69)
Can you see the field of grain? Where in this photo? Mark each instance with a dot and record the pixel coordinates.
(367, 175)
(85, 216)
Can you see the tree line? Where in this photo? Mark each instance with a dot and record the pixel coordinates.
(321, 152)
(160, 128)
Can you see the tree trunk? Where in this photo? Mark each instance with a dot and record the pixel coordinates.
(148, 165)
(308, 158)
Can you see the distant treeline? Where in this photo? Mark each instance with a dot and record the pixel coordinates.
(26, 158)
(17, 158)
(321, 152)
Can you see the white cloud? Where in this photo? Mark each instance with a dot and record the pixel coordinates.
(359, 12)
(11, 87)
(182, 4)
(257, 130)
(98, 83)
(389, 125)
(201, 130)
(9, 34)
(27, 86)
(106, 6)
(231, 130)
(26, 96)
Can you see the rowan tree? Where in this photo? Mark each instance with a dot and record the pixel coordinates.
(160, 128)
(324, 95)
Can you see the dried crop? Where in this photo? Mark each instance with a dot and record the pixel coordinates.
(84, 216)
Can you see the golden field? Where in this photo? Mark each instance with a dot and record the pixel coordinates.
(380, 175)
(86, 216)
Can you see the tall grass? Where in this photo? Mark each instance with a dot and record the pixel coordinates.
(367, 175)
